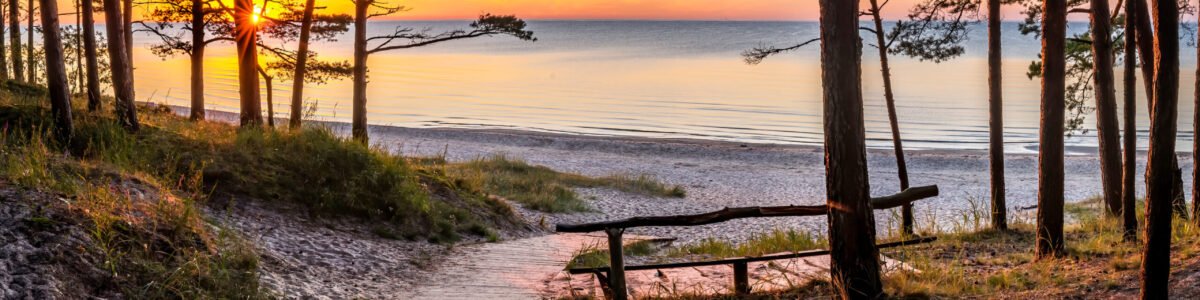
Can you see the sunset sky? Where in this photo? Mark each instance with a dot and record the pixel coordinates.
(781, 10)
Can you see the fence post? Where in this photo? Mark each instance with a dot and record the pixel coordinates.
(616, 267)
(741, 278)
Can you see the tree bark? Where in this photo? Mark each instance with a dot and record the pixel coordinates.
(127, 18)
(897, 145)
(854, 259)
(3, 54)
(1196, 146)
(56, 71)
(78, 47)
(14, 27)
(121, 71)
(29, 59)
(1156, 254)
(996, 117)
(197, 60)
(1128, 190)
(89, 51)
(1107, 128)
(1050, 150)
(301, 61)
(270, 97)
(359, 129)
(247, 35)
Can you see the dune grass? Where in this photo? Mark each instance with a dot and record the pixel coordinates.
(544, 189)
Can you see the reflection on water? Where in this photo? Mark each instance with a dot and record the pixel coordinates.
(654, 79)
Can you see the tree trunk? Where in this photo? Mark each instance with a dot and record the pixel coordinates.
(121, 71)
(127, 18)
(246, 32)
(996, 113)
(1196, 147)
(197, 60)
(897, 145)
(270, 97)
(1050, 150)
(1107, 127)
(79, 46)
(29, 59)
(56, 71)
(854, 260)
(1128, 190)
(89, 51)
(3, 54)
(301, 61)
(360, 70)
(14, 27)
(1156, 256)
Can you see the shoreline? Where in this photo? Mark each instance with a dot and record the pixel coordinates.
(717, 174)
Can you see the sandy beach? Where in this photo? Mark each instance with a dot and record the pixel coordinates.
(724, 174)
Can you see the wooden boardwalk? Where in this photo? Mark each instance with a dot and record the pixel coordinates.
(517, 269)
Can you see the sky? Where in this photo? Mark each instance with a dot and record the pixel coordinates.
(770, 10)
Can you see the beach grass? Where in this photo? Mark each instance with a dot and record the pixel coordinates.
(544, 189)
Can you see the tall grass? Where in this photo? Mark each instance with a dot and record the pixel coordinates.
(541, 188)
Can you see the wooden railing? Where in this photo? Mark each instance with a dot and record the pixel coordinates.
(614, 229)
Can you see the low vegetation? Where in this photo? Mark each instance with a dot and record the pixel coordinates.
(967, 261)
(543, 189)
(141, 193)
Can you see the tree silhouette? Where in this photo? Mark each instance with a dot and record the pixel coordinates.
(934, 31)
(405, 38)
(182, 27)
(1050, 144)
(120, 66)
(56, 71)
(1156, 254)
(996, 118)
(854, 259)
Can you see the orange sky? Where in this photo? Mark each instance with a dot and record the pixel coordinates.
(790, 10)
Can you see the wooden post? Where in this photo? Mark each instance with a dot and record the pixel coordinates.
(741, 279)
(616, 274)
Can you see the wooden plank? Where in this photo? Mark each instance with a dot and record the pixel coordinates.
(745, 259)
(905, 197)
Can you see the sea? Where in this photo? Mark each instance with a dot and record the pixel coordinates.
(660, 79)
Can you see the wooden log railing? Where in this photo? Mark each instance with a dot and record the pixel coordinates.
(897, 200)
(615, 229)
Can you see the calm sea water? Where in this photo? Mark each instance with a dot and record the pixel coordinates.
(659, 80)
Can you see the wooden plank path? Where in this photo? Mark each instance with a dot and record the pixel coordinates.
(517, 269)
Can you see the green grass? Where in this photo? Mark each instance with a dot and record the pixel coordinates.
(709, 249)
(543, 189)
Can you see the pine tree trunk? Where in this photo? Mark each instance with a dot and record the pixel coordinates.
(1196, 148)
(360, 71)
(197, 60)
(1050, 150)
(30, 61)
(854, 261)
(1128, 190)
(14, 27)
(127, 17)
(247, 63)
(4, 75)
(897, 145)
(89, 51)
(79, 46)
(996, 116)
(56, 71)
(301, 61)
(121, 71)
(1156, 256)
(1107, 127)
(270, 97)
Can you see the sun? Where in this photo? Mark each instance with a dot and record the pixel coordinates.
(255, 16)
